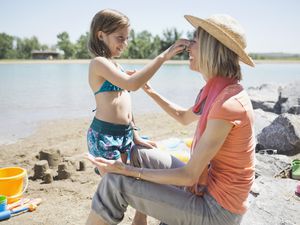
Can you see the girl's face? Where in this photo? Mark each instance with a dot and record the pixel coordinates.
(117, 41)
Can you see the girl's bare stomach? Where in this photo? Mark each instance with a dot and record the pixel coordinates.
(114, 107)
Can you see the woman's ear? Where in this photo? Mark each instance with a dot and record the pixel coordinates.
(100, 35)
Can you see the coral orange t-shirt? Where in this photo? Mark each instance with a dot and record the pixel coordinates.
(231, 171)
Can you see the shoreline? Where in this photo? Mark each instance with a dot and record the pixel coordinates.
(127, 61)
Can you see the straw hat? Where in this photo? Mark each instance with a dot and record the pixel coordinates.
(226, 30)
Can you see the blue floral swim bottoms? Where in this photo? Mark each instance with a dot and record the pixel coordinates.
(109, 140)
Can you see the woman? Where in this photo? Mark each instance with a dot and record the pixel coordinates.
(224, 140)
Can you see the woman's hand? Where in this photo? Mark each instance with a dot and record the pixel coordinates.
(130, 72)
(107, 166)
(178, 47)
(147, 88)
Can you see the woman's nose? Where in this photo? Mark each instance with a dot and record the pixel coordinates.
(125, 42)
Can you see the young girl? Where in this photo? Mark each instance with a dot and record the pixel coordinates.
(111, 134)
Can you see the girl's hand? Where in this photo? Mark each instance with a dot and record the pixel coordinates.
(145, 143)
(107, 166)
(178, 47)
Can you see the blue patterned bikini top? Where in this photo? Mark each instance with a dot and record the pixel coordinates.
(107, 86)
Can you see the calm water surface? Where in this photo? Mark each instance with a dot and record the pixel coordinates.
(30, 93)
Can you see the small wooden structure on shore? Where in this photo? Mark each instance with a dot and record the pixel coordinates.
(44, 54)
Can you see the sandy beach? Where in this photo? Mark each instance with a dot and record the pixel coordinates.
(68, 201)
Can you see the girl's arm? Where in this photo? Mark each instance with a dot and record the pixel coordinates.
(103, 67)
(182, 115)
(211, 141)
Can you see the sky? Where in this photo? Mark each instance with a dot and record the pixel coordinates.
(270, 25)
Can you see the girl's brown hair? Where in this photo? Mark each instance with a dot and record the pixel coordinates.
(108, 21)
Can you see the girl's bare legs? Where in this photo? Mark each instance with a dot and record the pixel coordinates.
(95, 219)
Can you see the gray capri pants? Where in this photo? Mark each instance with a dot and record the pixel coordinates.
(169, 204)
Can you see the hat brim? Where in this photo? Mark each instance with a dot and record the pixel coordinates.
(221, 36)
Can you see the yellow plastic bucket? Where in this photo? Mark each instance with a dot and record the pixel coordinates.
(12, 183)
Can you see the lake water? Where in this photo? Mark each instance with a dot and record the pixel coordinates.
(30, 93)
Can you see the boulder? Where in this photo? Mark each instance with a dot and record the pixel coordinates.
(271, 165)
(289, 99)
(262, 119)
(283, 134)
(264, 97)
(275, 203)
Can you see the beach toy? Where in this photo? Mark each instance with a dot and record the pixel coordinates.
(18, 203)
(175, 147)
(188, 142)
(28, 207)
(181, 155)
(12, 183)
(3, 203)
(172, 142)
(296, 169)
(8, 213)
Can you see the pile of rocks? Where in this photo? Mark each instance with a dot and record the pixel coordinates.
(277, 119)
(272, 199)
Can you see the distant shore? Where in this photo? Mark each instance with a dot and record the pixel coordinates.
(125, 61)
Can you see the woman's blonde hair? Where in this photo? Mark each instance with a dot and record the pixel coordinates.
(215, 59)
(108, 21)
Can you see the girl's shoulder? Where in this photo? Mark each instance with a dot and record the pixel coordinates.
(99, 63)
(99, 60)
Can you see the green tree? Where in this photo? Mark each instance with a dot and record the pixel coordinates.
(142, 46)
(26, 46)
(65, 45)
(6, 46)
(81, 47)
(169, 37)
(155, 47)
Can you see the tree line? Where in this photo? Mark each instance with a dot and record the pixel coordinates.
(142, 45)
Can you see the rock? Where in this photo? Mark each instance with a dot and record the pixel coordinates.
(262, 119)
(52, 156)
(282, 134)
(264, 97)
(271, 165)
(276, 203)
(291, 92)
(294, 110)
